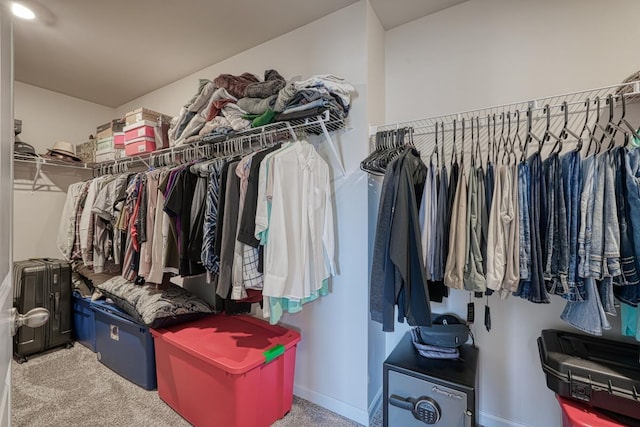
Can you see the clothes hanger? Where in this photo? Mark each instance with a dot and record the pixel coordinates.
(507, 140)
(587, 128)
(488, 140)
(547, 132)
(478, 141)
(530, 135)
(454, 154)
(624, 121)
(496, 148)
(597, 125)
(435, 150)
(517, 136)
(566, 131)
(473, 147)
(501, 141)
(462, 143)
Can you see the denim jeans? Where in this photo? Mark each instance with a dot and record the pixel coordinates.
(572, 180)
(537, 290)
(525, 230)
(588, 315)
(589, 167)
(557, 241)
(626, 289)
(632, 197)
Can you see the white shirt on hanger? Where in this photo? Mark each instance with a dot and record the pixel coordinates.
(299, 253)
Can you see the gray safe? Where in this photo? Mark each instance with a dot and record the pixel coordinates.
(420, 391)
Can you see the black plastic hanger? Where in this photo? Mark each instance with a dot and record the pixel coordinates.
(547, 132)
(488, 139)
(566, 131)
(530, 135)
(454, 154)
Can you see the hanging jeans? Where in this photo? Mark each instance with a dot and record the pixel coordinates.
(627, 283)
(524, 288)
(589, 166)
(588, 315)
(632, 178)
(572, 180)
(538, 290)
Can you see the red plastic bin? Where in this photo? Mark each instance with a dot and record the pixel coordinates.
(227, 371)
(576, 414)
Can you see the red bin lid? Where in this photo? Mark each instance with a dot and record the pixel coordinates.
(582, 415)
(235, 344)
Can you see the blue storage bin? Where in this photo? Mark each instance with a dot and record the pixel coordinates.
(124, 346)
(84, 323)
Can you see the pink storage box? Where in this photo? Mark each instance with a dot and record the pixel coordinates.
(118, 139)
(139, 146)
(140, 129)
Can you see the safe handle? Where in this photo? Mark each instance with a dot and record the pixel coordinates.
(401, 402)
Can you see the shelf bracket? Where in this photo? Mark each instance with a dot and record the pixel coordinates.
(36, 176)
(332, 146)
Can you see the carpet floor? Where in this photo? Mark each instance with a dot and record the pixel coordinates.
(70, 387)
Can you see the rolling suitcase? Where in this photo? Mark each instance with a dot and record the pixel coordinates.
(42, 283)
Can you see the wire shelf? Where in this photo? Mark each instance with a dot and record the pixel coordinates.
(239, 141)
(511, 120)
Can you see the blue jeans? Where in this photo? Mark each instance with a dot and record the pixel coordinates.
(631, 185)
(524, 217)
(589, 167)
(588, 315)
(534, 289)
(572, 180)
(557, 261)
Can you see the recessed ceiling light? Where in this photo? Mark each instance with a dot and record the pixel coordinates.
(22, 11)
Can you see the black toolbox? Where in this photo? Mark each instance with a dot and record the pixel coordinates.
(601, 372)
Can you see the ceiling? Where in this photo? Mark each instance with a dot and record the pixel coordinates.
(110, 52)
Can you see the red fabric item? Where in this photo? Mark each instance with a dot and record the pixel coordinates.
(216, 107)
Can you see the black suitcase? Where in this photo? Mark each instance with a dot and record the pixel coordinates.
(600, 372)
(42, 283)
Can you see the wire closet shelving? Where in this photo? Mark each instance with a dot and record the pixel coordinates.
(492, 126)
(238, 142)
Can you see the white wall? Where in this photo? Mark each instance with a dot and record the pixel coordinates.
(331, 367)
(488, 52)
(375, 114)
(47, 117)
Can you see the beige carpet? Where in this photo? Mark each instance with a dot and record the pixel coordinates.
(69, 387)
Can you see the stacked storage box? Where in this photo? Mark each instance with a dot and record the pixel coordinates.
(110, 142)
(226, 370)
(124, 345)
(84, 321)
(145, 131)
(86, 151)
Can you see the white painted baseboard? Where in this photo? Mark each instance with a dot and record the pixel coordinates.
(489, 420)
(339, 407)
(376, 403)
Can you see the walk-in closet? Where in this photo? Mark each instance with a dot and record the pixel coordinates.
(341, 213)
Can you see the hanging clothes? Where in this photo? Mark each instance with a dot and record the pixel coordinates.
(458, 236)
(474, 278)
(398, 273)
(503, 262)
